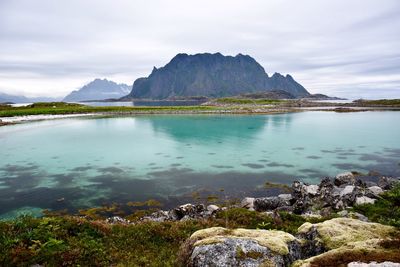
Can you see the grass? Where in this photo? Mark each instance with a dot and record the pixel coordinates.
(64, 240)
(380, 102)
(385, 210)
(229, 100)
(59, 108)
(71, 241)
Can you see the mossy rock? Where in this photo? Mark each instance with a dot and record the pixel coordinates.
(377, 250)
(337, 232)
(344, 240)
(219, 246)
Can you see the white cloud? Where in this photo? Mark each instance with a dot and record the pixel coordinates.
(345, 47)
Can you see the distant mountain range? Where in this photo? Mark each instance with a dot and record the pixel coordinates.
(6, 98)
(211, 75)
(191, 76)
(99, 89)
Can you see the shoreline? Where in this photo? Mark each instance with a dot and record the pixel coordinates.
(222, 110)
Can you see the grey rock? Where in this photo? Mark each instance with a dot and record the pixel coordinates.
(248, 203)
(269, 203)
(117, 220)
(158, 216)
(346, 178)
(312, 189)
(353, 215)
(212, 208)
(387, 183)
(311, 245)
(373, 191)
(347, 190)
(188, 211)
(285, 197)
(241, 247)
(364, 200)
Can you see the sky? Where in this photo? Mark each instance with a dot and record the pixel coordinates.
(346, 48)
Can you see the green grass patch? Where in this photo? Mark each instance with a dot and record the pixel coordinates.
(59, 108)
(229, 100)
(385, 210)
(72, 241)
(380, 102)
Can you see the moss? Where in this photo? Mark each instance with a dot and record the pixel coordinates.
(364, 251)
(242, 255)
(276, 241)
(339, 231)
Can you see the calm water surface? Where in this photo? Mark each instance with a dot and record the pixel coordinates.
(77, 163)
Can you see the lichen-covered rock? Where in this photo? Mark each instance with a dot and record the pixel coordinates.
(219, 246)
(367, 250)
(345, 240)
(353, 215)
(339, 231)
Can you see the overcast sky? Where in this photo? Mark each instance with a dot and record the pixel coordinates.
(347, 48)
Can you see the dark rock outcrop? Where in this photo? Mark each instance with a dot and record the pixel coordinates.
(211, 75)
(341, 192)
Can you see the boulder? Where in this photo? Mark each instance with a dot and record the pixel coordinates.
(270, 203)
(248, 203)
(339, 231)
(353, 215)
(212, 209)
(188, 211)
(348, 189)
(364, 200)
(368, 250)
(373, 191)
(117, 220)
(346, 178)
(339, 241)
(285, 197)
(219, 246)
(158, 216)
(387, 183)
(312, 190)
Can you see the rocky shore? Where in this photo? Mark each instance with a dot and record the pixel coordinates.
(347, 237)
(331, 195)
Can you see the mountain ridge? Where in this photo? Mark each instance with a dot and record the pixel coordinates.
(98, 89)
(211, 75)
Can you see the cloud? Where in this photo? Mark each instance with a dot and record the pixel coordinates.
(340, 47)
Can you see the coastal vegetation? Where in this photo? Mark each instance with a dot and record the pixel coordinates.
(66, 240)
(217, 105)
(379, 102)
(60, 108)
(232, 100)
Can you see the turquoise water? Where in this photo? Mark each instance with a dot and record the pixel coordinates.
(81, 162)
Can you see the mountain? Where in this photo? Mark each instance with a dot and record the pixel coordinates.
(211, 75)
(99, 89)
(6, 98)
